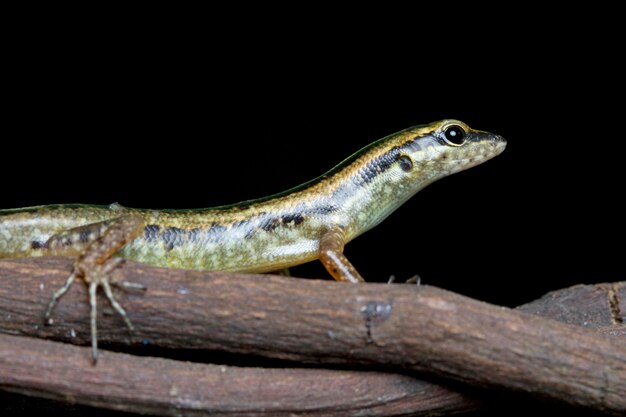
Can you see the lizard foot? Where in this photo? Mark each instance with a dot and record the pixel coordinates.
(95, 276)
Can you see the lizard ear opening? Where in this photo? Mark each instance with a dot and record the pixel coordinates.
(406, 164)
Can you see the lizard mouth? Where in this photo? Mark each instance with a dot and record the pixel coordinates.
(480, 152)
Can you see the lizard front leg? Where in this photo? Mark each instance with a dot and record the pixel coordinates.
(331, 254)
(96, 244)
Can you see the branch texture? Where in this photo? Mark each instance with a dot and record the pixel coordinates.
(405, 327)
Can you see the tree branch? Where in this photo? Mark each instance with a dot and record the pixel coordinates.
(167, 387)
(398, 326)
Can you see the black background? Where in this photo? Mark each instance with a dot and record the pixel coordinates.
(191, 116)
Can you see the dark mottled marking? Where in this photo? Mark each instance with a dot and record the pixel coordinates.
(319, 210)
(35, 244)
(295, 218)
(379, 165)
(83, 236)
(241, 223)
(247, 226)
(151, 231)
(173, 237)
(67, 241)
(270, 224)
(325, 209)
(215, 230)
(194, 234)
(414, 144)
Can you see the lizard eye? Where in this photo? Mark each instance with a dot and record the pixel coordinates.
(454, 135)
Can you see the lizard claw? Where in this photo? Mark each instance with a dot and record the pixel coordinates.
(415, 279)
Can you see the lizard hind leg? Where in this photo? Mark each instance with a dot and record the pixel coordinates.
(95, 264)
(100, 278)
(57, 296)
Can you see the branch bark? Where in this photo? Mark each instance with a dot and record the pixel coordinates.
(398, 326)
(168, 387)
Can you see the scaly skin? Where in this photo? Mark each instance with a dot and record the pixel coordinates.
(312, 221)
(270, 233)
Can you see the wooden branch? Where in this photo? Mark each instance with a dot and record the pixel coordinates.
(595, 306)
(401, 326)
(172, 388)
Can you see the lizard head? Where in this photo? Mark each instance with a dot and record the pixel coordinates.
(448, 146)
